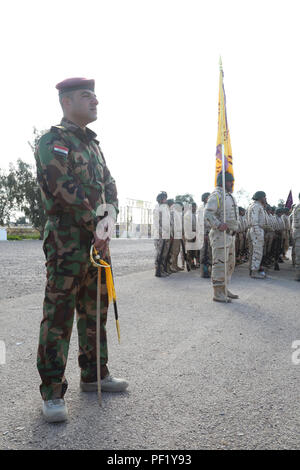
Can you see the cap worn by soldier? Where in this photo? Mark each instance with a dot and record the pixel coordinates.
(170, 202)
(205, 196)
(161, 196)
(258, 195)
(278, 211)
(228, 177)
(241, 210)
(77, 83)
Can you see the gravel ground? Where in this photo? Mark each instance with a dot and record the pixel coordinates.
(22, 269)
(202, 375)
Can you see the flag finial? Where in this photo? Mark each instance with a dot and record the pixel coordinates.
(220, 63)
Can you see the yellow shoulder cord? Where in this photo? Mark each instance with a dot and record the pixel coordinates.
(99, 263)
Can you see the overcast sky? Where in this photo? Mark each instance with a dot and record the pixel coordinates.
(156, 66)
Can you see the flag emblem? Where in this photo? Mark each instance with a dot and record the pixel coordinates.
(223, 137)
(61, 150)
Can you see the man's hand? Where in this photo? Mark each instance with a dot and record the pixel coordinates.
(101, 245)
(223, 227)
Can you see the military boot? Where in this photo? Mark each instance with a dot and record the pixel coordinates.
(297, 277)
(231, 295)
(55, 410)
(219, 294)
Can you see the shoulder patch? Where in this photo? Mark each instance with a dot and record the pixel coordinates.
(61, 150)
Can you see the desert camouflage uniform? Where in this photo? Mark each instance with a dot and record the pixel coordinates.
(296, 236)
(214, 215)
(205, 252)
(257, 223)
(176, 218)
(286, 234)
(269, 236)
(74, 181)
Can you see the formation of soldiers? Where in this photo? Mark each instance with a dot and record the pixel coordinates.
(260, 235)
(177, 237)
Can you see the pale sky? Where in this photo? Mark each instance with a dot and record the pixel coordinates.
(156, 66)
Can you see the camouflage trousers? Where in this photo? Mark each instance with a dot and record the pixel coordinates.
(162, 248)
(256, 237)
(297, 253)
(71, 284)
(268, 243)
(206, 253)
(175, 249)
(218, 257)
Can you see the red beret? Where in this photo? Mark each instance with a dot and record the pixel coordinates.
(71, 84)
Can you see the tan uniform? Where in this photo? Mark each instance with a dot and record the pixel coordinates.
(257, 223)
(214, 215)
(176, 217)
(286, 234)
(269, 235)
(296, 236)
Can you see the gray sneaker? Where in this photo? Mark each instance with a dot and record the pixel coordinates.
(258, 275)
(55, 411)
(108, 384)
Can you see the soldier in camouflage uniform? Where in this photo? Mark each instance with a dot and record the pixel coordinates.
(257, 223)
(214, 215)
(205, 252)
(296, 238)
(75, 183)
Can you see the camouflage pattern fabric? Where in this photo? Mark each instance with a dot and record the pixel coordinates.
(74, 181)
(214, 215)
(175, 249)
(162, 250)
(256, 238)
(296, 236)
(218, 257)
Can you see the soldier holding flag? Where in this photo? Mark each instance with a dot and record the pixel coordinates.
(223, 255)
(221, 209)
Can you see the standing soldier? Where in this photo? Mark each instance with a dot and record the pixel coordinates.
(279, 237)
(296, 238)
(162, 234)
(286, 232)
(192, 235)
(75, 182)
(256, 221)
(176, 223)
(205, 252)
(169, 268)
(214, 214)
(269, 236)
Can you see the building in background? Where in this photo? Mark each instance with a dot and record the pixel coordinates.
(135, 219)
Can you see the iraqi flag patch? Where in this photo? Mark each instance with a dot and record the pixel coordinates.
(61, 150)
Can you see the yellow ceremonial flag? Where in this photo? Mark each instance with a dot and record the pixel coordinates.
(223, 132)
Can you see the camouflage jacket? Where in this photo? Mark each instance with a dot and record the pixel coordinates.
(73, 175)
(296, 221)
(214, 212)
